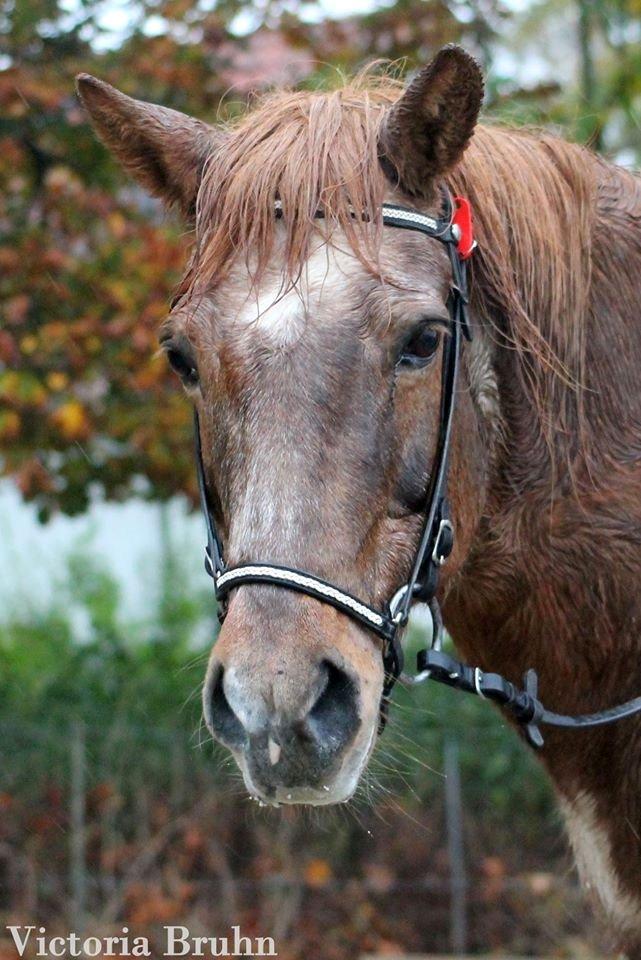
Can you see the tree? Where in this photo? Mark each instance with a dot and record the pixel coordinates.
(87, 263)
(86, 271)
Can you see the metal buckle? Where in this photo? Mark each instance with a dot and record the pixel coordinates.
(396, 605)
(210, 567)
(478, 683)
(436, 644)
(438, 558)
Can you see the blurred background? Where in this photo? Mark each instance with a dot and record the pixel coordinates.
(114, 806)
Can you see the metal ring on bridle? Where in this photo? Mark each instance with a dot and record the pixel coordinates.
(396, 604)
(440, 558)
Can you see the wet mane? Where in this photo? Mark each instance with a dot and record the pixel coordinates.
(533, 197)
(311, 150)
(534, 201)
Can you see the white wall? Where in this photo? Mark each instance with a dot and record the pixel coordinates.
(126, 536)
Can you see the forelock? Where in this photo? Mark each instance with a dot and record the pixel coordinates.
(311, 150)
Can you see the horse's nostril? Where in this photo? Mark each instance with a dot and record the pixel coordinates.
(278, 741)
(223, 721)
(333, 720)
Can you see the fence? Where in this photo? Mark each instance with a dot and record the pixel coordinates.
(138, 825)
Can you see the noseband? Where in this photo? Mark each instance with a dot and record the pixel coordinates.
(454, 230)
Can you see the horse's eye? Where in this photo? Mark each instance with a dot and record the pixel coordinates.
(182, 363)
(420, 348)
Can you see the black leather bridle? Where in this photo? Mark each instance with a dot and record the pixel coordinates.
(454, 230)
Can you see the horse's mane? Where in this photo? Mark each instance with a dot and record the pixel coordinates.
(311, 150)
(534, 202)
(533, 197)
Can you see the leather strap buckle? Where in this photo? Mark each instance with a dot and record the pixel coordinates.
(444, 543)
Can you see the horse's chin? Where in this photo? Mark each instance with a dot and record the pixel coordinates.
(302, 796)
(339, 789)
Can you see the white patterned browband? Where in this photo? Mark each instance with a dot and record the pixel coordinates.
(305, 583)
(395, 216)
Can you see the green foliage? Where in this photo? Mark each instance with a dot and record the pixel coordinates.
(79, 660)
(503, 781)
(601, 104)
(167, 823)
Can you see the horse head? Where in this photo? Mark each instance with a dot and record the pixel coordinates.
(310, 347)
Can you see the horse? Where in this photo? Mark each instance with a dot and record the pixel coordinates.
(307, 334)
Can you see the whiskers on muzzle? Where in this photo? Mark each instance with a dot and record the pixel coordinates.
(292, 746)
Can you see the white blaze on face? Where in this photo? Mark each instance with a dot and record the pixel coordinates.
(279, 311)
(277, 315)
(593, 854)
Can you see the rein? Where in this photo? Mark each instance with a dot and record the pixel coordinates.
(454, 230)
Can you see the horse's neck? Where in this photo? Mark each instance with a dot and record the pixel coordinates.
(554, 578)
(558, 589)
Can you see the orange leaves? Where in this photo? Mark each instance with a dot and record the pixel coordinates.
(72, 421)
(12, 153)
(148, 903)
(16, 308)
(119, 291)
(9, 260)
(21, 389)
(177, 9)
(29, 344)
(8, 349)
(56, 381)
(54, 260)
(317, 873)
(151, 375)
(61, 182)
(32, 478)
(117, 225)
(9, 425)
(85, 282)
(22, 90)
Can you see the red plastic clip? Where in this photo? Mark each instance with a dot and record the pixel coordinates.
(463, 220)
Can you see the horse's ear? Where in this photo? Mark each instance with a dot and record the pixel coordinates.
(424, 134)
(164, 150)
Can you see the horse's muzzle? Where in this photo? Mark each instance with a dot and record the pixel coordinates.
(290, 740)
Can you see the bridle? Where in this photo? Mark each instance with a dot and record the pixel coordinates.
(454, 230)
(436, 540)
